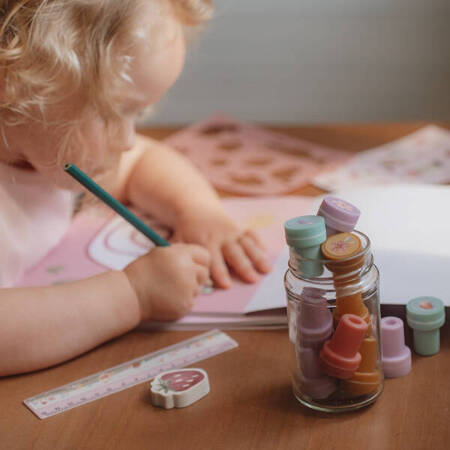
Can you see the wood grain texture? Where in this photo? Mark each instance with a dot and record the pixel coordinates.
(250, 405)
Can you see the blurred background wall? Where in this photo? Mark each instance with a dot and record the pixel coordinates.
(307, 61)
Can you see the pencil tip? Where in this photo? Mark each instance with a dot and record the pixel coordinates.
(67, 166)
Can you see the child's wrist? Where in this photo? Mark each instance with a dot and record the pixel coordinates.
(130, 273)
(129, 294)
(198, 208)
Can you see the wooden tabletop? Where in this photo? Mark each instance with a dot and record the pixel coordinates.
(250, 405)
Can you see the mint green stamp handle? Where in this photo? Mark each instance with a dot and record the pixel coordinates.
(426, 315)
(304, 235)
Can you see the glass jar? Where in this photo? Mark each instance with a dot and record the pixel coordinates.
(328, 373)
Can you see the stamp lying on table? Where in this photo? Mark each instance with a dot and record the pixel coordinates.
(179, 388)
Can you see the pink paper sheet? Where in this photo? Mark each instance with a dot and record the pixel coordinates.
(249, 160)
(86, 250)
(420, 157)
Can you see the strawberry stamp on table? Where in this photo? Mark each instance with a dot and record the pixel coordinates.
(179, 388)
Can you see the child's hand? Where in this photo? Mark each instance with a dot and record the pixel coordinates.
(167, 280)
(228, 245)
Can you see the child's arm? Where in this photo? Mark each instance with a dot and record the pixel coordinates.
(165, 184)
(43, 326)
(154, 176)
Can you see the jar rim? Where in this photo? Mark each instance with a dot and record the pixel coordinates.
(364, 250)
(365, 241)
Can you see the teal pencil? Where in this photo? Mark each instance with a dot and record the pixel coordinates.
(120, 209)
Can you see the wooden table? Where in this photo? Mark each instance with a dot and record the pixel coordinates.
(250, 405)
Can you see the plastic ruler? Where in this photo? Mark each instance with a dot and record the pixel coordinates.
(130, 373)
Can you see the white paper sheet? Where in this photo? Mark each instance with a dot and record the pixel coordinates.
(270, 293)
(409, 227)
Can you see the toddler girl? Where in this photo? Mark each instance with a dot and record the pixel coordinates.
(74, 76)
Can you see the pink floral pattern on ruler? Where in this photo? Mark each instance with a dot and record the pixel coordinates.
(190, 351)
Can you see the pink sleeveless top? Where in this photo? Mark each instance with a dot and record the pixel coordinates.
(33, 218)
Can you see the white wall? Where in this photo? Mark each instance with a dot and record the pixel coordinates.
(293, 61)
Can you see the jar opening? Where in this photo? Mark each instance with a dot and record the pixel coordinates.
(340, 272)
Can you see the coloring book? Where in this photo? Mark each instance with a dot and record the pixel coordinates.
(96, 243)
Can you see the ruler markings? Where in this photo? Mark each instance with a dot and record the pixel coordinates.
(129, 374)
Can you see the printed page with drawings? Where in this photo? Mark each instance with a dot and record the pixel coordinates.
(95, 244)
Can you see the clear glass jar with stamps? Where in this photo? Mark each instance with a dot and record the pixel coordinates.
(334, 329)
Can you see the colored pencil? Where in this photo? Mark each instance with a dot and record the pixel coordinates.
(120, 209)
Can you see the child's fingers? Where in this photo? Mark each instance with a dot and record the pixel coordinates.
(219, 270)
(256, 239)
(257, 256)
(200, 255)
(239, 261)
(202, 274)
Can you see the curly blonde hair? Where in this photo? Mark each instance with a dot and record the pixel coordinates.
(50, 49)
